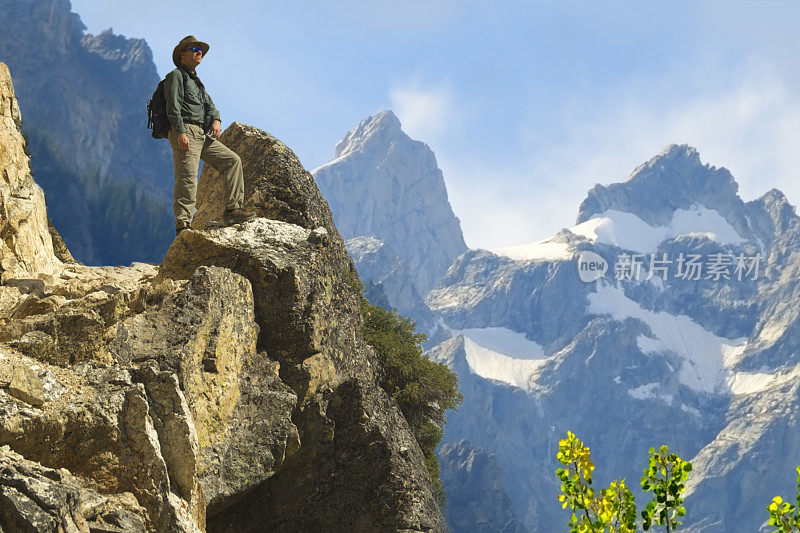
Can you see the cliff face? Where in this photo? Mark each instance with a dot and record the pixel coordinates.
(26, 246)
(83, 98)
(228, 389)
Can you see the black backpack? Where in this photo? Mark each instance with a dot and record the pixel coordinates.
(157, 119)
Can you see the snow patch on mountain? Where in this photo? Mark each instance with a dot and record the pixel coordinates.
(504, 341)
(705, 355)
(544, 250)
(330, 164)
(709, 366)
(736, 382)
(463, 296)
(630, 232)
(648, 391)
(363, 245)
(496, 366)
(755, 382)
(503, 355)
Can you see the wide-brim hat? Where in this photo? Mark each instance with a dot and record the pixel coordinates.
(187, 42)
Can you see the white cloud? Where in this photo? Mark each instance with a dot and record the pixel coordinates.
(425, 113)
(750, 128)
(503, 206)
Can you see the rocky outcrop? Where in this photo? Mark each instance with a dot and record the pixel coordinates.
(228, 389)
(97, 420)
(240, 408)
(401, 200)
(108, 183)
(26, 246)
(357, 452)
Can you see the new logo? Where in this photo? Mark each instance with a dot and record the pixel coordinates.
(591, 266)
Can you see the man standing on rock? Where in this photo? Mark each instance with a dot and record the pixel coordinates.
(195, 127)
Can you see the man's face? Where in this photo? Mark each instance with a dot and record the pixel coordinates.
(192, 56)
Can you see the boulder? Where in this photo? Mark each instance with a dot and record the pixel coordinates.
(26, 386)
(205, 336)
(276, 184)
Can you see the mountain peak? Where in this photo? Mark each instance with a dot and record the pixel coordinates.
(381, 127)
(118, 49)
(679, 150)
(401, 197)
(674, 155)
(674, 179)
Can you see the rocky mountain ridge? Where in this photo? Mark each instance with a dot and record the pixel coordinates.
(227, 389)
(649, 350)
(689, 332)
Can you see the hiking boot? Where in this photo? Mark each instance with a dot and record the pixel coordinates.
(237, 216)
(179, 230)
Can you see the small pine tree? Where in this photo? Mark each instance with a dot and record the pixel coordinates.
(424, 389)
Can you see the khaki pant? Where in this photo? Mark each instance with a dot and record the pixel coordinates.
(212, 152)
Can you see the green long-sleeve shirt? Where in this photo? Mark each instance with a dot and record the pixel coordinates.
(190, 103)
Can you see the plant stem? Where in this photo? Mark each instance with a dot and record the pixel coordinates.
(669, 520)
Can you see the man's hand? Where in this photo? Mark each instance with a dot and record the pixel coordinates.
(183, 142)
(216, 129)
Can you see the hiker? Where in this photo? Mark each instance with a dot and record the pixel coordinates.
(195, 127)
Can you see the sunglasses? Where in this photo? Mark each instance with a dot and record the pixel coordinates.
(194, 49)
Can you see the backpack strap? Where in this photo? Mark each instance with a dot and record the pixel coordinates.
(184, 77)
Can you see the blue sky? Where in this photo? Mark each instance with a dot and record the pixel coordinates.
(526, 104)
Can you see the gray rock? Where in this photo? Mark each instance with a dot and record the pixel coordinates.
(307, 308)
(36, 498)
(175, 429)
(27, 286)
(36, 344)
(101, 428)
(238, 429)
